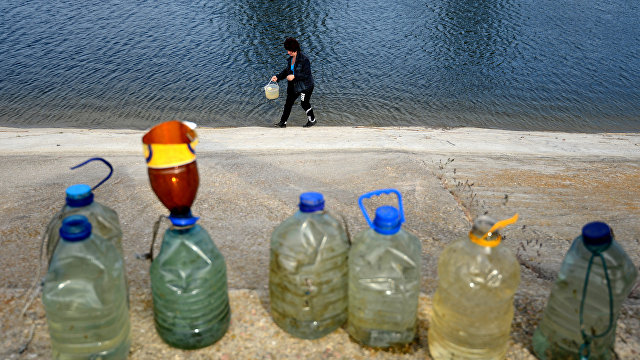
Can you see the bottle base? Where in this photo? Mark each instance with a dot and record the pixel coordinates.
(544, 349)
(441, 349)
(191, 340)
(381, 338)
(121, 352)
(309, 330)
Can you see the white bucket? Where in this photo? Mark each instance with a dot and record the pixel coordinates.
(272, 91)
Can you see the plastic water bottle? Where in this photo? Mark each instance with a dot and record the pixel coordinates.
(79, 201)
(85, 296)
(189, 286)
(579, 321)
(169, 150)
(308, 271)
(384, 279)
(473, 304)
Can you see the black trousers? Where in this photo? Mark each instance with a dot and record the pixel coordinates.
(305, 98)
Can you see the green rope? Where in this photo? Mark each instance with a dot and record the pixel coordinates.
(585, 350)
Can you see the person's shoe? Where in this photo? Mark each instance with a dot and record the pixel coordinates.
(280, 124)
(309, 123)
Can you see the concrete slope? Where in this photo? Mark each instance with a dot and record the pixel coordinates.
(250, 179)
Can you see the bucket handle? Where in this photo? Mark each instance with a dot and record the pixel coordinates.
(97, 159)
(378, 193)
(270, 81)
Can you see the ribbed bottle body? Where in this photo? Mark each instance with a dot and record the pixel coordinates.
(189, 287)
(85, 298)
(384, 287)
(558, 334)
(103, 219)
(308, 275)
(473, 303)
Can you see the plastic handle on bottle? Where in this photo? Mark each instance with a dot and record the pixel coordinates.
(378, 193)
(499, 225)
(97, 159)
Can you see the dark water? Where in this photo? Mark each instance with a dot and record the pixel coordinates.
(510, 64)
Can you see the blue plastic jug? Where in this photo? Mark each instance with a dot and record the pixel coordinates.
(80, 200)
(189, 286)
(308, 271)
(579, 321)
(384, 278)
(85, 296)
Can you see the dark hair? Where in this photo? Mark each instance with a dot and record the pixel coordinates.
(291, 44)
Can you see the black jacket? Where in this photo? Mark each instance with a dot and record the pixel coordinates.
(301, 69)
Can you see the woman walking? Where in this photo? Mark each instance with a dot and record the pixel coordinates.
(300, 82)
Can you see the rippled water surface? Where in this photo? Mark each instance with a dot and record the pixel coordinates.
(525, 64)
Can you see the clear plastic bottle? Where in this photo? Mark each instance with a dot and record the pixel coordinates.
(79, 201)
(473, 304)
(85, 296)
(559, 335)
(308, 271)
(384, 279)
(189, 286)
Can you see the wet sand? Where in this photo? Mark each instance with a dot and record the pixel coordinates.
(250, 179)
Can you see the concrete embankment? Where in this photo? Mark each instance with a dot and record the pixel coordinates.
(250, 179)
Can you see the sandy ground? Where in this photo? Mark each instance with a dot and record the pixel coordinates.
(250, 179)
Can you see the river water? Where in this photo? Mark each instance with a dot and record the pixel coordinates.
(523, 65)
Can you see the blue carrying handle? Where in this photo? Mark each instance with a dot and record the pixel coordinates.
(97, 159)
(378, 193)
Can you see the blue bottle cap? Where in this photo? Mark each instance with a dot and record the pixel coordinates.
(79, 195)
(183, 221)
(311, 202)
(597, 234)
(75, 228)
(387, 220)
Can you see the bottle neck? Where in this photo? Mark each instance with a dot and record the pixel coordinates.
(596, 249)
(381, 235)
(75, 203)
(182, 229)
(478, 237)
(312, 211)
(75, 241)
